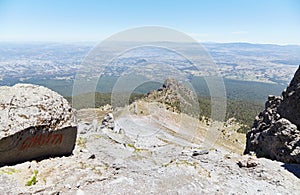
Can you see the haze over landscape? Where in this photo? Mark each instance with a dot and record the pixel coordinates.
(120, 97)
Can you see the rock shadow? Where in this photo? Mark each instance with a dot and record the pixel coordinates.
(293, 168)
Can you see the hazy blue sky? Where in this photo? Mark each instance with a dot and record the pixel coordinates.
(255, 21)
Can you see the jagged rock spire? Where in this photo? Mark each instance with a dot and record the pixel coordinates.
(275, 133)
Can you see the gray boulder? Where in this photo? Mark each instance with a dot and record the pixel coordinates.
(35, 123)
(275, 133)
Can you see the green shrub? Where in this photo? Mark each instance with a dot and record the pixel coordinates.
(33, 180)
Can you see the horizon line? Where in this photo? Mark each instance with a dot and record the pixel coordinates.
(96, 42)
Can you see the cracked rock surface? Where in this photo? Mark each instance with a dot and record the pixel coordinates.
(25, 105)
(35, 123)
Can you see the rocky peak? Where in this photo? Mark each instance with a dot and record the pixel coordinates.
(294, 84)
(290, 105)
(175, 95)
(275, 132)
(171, 84)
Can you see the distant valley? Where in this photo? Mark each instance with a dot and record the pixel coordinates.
(250, 71)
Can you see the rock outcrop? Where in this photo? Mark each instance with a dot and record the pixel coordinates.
(35, 122)
(176, 96)
(275, 133)
(108, 122)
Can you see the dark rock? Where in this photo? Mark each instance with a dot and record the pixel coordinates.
(35, 123)
(290, 106)
(275, 133)
(108, 122)
(201, 152)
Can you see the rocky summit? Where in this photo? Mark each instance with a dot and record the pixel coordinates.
(35, 122)
(149, 148)
(275, 133)
(176, 96)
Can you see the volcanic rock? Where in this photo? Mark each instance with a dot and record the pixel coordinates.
(35, 122)
(275, 133)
